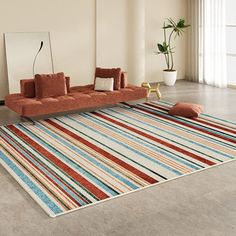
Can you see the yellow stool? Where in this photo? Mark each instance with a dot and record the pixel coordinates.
(151, 89)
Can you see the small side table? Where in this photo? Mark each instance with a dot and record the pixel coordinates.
(151, 89)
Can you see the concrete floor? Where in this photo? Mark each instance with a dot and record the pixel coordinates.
(200, 204)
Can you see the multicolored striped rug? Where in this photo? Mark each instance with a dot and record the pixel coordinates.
(73, 161)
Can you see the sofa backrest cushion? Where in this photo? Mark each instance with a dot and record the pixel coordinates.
(110, 73)
(124, 80)
(67, 83)
(27, 87)
(50, 85)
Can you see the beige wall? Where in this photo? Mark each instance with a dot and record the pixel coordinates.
(83, 35)
(72, 27)
(111, 33)
(114, 26)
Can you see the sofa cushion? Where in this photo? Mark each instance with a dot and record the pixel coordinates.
(82, 88)
(67, 83)
(50, 85)
(104, 84)
(188, 110)
(27, 87)
(110, 73)
(124, 80)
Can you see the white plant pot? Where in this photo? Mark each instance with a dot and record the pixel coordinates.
(169, 77)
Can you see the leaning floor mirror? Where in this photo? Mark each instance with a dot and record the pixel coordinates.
(27, 54)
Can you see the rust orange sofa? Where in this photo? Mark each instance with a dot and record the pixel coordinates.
(78, 97)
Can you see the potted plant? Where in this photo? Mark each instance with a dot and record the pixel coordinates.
(175, 29)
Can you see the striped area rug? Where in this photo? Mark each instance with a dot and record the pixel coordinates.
(69, 162)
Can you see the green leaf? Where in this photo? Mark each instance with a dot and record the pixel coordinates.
(163, 48)
(178, 27)
(181, 24)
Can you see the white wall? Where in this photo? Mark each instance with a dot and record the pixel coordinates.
(83, 33)
(72, 27)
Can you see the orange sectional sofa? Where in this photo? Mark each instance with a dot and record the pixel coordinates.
(26, 104)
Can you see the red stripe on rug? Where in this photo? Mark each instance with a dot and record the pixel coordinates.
(157, 106)
(192, 155)
(84, 182)
(196, 119)
(215, 126)
(104, 153)
(44, 174)
(187, 125)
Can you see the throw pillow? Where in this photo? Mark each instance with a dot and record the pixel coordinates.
(124, 80)
(27, 88)
(50, 85)
(110, 73)
(188, 110)
(104, 84)
(67, 83)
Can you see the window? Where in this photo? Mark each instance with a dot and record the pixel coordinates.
(231, 41)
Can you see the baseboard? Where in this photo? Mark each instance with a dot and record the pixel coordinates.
(2, 102)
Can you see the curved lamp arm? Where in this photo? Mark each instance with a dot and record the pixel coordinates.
(40, 48)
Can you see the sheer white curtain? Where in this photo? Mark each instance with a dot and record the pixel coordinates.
(207, 42)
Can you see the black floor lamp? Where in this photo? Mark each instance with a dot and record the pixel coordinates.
(35, 58)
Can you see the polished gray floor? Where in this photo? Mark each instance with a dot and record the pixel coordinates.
(200, 204)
